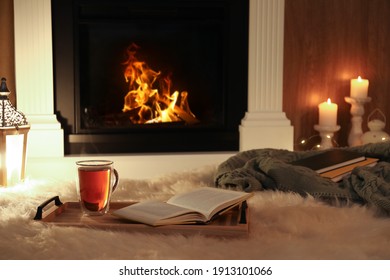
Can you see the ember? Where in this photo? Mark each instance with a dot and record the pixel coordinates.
(149, 99)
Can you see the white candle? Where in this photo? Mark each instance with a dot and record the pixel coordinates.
(359, 88)
(327, 113)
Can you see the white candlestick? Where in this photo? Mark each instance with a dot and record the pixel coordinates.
(326, 133)
(357, 112)
(359, 88)
(327, 113)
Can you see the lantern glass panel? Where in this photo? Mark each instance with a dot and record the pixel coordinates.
(14, 157)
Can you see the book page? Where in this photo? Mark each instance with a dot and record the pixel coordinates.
(155, 212)
(207, 200)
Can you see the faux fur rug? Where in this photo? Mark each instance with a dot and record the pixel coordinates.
(282, 226)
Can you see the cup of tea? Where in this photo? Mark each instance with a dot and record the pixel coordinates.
(96, 181)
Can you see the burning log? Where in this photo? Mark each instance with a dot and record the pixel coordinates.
(183, 111)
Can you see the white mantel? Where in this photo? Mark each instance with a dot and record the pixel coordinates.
(264, 125)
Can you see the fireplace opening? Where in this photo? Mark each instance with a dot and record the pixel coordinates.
(150, 76)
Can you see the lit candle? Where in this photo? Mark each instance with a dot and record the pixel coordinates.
(359, 88)
(327, 113)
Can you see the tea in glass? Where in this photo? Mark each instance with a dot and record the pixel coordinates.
(97, 179)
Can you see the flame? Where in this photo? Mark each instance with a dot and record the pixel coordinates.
(149, 99)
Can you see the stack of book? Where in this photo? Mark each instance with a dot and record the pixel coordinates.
(335, 164)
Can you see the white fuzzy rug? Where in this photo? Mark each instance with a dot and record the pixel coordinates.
(282, 226)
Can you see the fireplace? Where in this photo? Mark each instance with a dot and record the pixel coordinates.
(190, 61)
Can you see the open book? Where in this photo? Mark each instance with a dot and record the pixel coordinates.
(198, 206)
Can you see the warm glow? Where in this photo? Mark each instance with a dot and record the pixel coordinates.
(329, 101)
(149, 99)
(359, 79)
(14, 144)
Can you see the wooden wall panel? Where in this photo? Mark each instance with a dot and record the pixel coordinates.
(7, 54)
(327, 43)
(378, 56)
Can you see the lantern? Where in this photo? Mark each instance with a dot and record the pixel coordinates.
(13, 140)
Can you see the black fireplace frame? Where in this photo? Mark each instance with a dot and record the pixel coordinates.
(151, 139)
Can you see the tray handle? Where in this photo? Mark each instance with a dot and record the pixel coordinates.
(243, 219)
(57, 202)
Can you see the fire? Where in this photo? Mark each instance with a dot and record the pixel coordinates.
(149, 99)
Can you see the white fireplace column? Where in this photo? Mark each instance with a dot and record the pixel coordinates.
(34, 76)
(265, 125)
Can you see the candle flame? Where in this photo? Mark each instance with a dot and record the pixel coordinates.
(329, 101)
(359, 79)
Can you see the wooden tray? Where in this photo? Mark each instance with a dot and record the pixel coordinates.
(232, 223)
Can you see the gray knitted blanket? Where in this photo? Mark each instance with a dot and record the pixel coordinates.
(260, 169)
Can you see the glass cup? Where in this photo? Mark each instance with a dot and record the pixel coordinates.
(97, 180)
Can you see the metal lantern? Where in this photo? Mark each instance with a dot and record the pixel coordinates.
(13, 140)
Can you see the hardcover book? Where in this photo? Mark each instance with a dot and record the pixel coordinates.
(199, 206)
(329, 160)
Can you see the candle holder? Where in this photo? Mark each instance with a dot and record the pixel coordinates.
(357, 112)
(326, 133)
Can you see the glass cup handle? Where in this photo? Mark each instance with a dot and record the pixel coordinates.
(116, 180)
